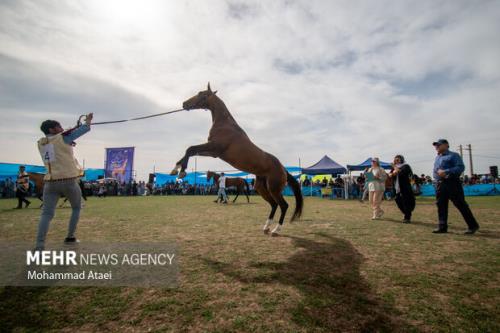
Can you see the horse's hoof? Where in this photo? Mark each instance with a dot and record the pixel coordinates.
(274, 234)
(182, 174)
(266, 231)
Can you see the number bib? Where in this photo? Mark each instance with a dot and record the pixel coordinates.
(48, 154)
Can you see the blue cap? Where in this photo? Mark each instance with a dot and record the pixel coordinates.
(440, 142)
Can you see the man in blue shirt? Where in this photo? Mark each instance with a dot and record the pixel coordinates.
(448, 167)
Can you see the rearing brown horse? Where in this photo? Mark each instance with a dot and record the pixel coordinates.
(238, 182)
(229, 142)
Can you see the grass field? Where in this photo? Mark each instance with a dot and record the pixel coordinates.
(334, 271)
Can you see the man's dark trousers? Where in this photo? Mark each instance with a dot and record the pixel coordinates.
(406, 204)
(451, 189)
(21, 197)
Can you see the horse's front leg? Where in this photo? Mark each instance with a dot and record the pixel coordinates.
(206, 149)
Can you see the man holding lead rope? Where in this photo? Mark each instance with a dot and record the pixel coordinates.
(63, 172)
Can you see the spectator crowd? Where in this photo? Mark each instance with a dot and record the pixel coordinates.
(355, 186)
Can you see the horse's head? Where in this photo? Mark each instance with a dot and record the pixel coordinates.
(212, 175)
(200, 100)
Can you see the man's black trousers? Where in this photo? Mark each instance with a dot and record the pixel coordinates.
(451, 189)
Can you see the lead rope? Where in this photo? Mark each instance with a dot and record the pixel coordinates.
(79, 122)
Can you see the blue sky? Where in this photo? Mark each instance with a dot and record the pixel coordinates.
(350, 79)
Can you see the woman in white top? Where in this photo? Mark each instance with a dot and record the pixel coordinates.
(376, 188)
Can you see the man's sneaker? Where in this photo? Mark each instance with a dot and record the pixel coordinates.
(440, 231)
(471, 231)
(71, 241)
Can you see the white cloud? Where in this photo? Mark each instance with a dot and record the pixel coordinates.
(304, 79)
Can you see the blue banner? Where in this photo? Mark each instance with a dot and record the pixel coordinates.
(428, 190)
(119, 163)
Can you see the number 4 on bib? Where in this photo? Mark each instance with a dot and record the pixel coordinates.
(48, 153)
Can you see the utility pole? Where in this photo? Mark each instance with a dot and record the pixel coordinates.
(469, 148)
(460, 149)
(300, 182)
(195, 171)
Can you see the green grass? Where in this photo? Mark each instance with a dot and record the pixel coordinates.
(333, 271)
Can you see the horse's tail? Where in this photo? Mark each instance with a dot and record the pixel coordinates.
(299, 200)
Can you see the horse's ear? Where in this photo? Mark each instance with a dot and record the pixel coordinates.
(208, 87)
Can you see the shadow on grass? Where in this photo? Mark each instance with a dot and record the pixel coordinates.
(17, 305)
(40, 309)
(456, 230)
(327, 273)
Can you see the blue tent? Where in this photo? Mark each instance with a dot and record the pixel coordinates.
(201, 177)
(93, 174)
(367, 164)
(325, 166)
(191, 178)
(10, 170)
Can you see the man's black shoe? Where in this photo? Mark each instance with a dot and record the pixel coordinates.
(27, 204)
(440, 231)
(71, 240)
(471, 231)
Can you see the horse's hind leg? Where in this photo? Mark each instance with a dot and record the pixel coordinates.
(246, 193)
(284, 207)
(275, 189)
(260, 187)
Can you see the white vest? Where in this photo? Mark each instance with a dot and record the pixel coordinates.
(23, 180)
(58, 158)
(222, 182)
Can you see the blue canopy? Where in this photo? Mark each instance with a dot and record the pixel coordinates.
(367, 164)
(325, 166)
(191, 178)
(93, 174)
(200, 178)
(10, 170)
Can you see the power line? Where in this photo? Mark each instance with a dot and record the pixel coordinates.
(485, 156)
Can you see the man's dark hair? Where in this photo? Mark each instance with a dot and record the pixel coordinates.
(47, 125)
